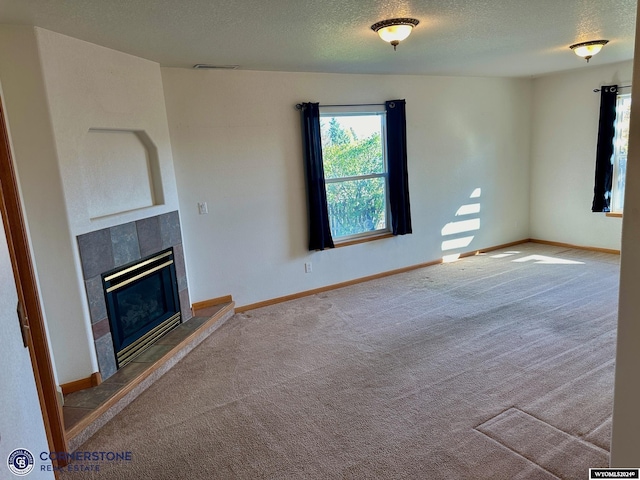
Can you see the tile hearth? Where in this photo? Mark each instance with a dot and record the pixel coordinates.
(88, 410)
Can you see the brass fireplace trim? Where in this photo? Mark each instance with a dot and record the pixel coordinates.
(128, 353)
(140, 275)
(137, 266)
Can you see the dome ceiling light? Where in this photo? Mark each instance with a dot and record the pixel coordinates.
(587, 50)
(394, 30)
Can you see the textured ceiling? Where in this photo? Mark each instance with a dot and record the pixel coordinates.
(454, 37)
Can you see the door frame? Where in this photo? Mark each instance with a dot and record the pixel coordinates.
(34, 329)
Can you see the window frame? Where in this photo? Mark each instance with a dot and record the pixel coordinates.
(354, 111)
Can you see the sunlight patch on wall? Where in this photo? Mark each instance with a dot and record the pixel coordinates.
(468, 209)
(461, 227)
(456, 243)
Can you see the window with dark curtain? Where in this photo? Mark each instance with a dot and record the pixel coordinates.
(319, 231)
(398, 177)
(604, 150)
(398, 173)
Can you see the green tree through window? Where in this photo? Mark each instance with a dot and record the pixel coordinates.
(355, 173)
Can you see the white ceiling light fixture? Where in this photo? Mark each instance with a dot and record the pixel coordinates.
(587, 50)
(394, 30)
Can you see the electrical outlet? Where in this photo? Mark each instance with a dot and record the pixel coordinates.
(202, 208)
(307, 267)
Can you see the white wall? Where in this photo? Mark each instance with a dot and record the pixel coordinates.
(237, 145)
(626, 414)
(563, 147)
(21, 424)
(93, 87)
(41, 186)
(57, 89)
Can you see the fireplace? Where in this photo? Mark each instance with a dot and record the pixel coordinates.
(142, 303)
(112, 249)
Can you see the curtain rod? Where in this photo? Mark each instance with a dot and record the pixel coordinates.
(596, 90)
(299, 105)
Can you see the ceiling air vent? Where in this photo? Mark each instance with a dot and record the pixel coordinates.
(205, 66)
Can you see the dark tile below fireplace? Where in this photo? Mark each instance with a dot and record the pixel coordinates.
(153, 353)
(72, 415)
(91, 397)
(106, 398)
(128, 373)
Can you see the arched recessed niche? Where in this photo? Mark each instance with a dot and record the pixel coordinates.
(120, 172)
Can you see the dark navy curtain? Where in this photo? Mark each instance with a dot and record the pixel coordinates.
(398, 175)
(604, 151)
(319, 230)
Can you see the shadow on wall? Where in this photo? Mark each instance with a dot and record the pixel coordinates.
(456, 234)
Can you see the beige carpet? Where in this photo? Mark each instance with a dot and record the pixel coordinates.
(497, 366)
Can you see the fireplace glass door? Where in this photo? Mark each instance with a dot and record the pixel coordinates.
(142, 304)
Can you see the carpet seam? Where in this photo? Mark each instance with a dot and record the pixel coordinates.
(600, 425)
(580, 439)
(518, 454)
(590, 372)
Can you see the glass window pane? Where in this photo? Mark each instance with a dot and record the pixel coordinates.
(621, 142)
(356, 206)
(352, 145)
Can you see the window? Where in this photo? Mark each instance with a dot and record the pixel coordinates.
(355, 172)
(611, 150)
(367, 178)
(620, 144)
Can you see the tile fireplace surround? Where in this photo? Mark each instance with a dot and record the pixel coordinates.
(106, 249)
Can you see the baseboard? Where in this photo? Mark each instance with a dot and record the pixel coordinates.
(93, 381)
(212, 302)
(577, 247)
(355, 281)
(334, 286)
(495, 247)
